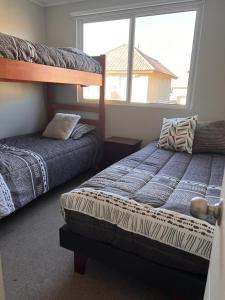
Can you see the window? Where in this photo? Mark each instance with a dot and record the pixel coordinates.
(162, 57)
(148, 55)
(105, 43)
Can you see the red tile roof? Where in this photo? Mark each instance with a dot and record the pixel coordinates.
(117, 59)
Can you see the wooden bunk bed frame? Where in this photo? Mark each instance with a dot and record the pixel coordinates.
(21, 71)
(12, 70)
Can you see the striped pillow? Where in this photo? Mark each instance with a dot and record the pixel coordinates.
(178, 134)
(80, 130)
(210, 137)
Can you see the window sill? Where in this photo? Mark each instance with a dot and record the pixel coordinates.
(135, 104)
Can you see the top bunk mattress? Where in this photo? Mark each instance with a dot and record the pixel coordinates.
(145, 199)
(71, 58)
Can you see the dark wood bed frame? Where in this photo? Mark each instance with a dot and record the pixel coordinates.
(180, 285)
(20, 71)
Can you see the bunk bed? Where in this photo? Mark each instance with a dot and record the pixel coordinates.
(30, 165)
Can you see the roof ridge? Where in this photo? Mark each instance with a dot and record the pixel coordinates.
(141, 54)
(157, 61)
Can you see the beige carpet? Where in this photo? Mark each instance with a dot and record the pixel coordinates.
(36, 268)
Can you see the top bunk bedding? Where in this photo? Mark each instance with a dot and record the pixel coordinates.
(30, 165)
(143, 202)
(70, 58)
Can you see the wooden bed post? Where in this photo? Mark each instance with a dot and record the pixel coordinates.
(80, 262)
(102, 60)
(50, 108)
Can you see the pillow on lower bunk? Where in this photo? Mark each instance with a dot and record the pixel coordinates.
(80, 130)
(61, 126)
(210, 137)
(178, 134)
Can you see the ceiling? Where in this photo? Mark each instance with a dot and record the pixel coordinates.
(54, 2)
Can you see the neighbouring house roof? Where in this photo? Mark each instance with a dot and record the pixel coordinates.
(117, 60)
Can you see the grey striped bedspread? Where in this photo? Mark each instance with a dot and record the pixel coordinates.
(149, 194)
(30, 165)
(23, 176)
(163, 179)
(71, 58)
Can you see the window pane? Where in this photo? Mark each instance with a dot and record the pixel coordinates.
(161, 58)
(110, 38)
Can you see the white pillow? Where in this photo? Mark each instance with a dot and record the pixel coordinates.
(61, 126)
(178, 134)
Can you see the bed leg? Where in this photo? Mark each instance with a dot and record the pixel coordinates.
(80, 263)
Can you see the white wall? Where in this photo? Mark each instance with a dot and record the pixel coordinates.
(22, 108)
(145, 122)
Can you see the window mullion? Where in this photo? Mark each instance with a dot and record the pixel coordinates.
(130, 58)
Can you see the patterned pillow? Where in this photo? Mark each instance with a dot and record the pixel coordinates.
(80, 130)
(178, 134)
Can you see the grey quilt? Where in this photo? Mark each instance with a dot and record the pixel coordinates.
(70, 58)
(163, 230)
(23, 176)
(163, 178)
(30, 165)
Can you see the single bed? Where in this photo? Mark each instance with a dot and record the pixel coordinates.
(102, 215)
(31, 165)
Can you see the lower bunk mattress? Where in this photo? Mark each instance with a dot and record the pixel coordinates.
(141, 205)
(31, 165)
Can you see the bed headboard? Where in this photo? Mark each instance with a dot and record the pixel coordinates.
(98, 108)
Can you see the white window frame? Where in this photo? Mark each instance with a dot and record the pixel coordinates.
(141, 10)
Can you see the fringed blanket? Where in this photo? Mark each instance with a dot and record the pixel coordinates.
(168, 227)
(23, 177)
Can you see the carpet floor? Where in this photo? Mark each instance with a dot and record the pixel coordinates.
(36, 268)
